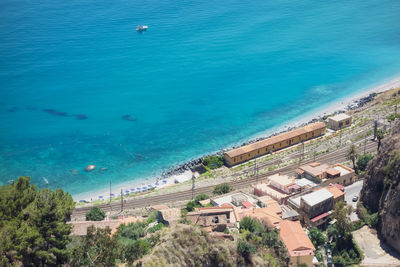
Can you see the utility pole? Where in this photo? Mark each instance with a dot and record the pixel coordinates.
(192, 185)
(365, 143)
(122, 201)
(340, 140)
(314, 155)
(302, 152)
(110, 192)
(375, 128)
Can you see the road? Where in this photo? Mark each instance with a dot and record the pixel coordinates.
(332, 157)
(349, 192)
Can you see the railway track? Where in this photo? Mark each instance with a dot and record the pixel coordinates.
(329, 158)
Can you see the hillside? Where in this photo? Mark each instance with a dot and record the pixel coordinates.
(381, 190)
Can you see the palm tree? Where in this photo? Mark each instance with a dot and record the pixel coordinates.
(379, 135)
(352, 154)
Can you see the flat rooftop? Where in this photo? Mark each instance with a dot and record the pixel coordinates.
(228, 198)
(342, 170)
(283, 180)
(315, 168)
(305, 182)
(316, 197)
(269, 190)
(340, 117)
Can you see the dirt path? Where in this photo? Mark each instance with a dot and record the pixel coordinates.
(376, 253)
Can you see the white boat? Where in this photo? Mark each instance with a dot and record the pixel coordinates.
(141, 28)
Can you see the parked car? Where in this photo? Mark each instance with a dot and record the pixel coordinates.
(329, 261)
(355, 198)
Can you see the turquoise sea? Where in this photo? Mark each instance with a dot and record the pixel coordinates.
(205, 76)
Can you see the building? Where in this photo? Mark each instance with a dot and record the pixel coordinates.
(214, 218)
(169, 217)
(278, 187)
(236, 199)
(270, 214)
(79, 228)
(325, 174)
(299, 246)
(263, 147)
(336, 190)
(315, 207)
(339, 121)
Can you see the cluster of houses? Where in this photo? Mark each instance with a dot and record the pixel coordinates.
(282, 202)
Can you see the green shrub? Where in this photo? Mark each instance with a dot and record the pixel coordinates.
(213, 162)
(152, 216)
(362, 161)
(155, 228)
(200, 197)
(222, 189)
(246, 249)
(136, 250)
(95, 214)
(126, 234)
(317, 237)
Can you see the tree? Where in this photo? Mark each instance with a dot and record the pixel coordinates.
(200, 197)
(33, 227)
(342, 225)
(213, 162)
(136, 250)
(379, 135)
(95, 214)
(352, 154)
(97, 248)
(362, 161)
(317, 237)
(222, 189)
(246, 249)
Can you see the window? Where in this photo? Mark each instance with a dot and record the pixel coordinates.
(249, 155)
(240, 157)
(234, 159)
(348, 122)
(215, 219)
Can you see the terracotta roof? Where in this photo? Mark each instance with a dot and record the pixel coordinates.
(315, 168)
(159, 207)
(319, 217)
(339, 186)
(336, 192)
(332, 172)
(247, 204)
(275, 139)
(80, 227)
(271, 214)
(295, 239)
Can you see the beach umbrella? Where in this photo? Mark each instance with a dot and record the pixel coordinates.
(127, 191)
(132, 189)
(149, 186)
(101, 197)
(164, 181)
(138, 189)
(157, 183)
(144, 187)
(82, 201)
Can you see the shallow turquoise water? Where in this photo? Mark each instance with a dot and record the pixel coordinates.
(206, 75)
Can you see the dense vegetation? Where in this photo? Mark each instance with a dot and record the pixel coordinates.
(95, 214)
(362, 161)
(345, 250)
(222, 189)
(196, 202)
(213, 162)
(33, 227)
(256, 236)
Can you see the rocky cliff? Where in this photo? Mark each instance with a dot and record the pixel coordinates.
(381, 190)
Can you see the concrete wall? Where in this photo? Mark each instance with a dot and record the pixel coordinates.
(337, 125)
(296, 261)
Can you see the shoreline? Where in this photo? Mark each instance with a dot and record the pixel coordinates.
(182, 172)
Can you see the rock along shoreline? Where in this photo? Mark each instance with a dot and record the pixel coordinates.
(189, 165)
